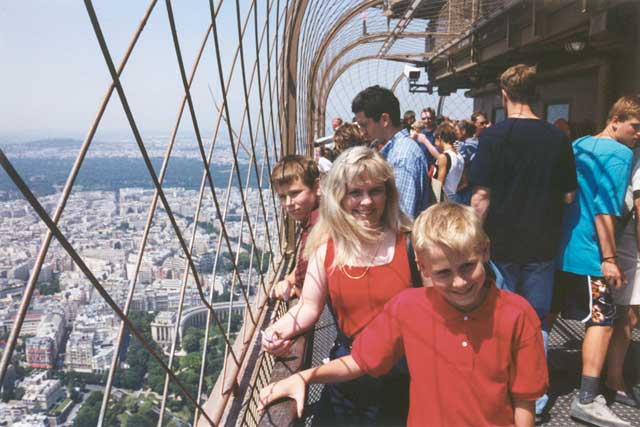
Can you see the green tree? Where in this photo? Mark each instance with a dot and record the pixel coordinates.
(156, 376)
(190, 380)
(137, 356)
(144, 418)
(79, 379)
(243, 261)
(175, 404)
(50, 288)
(207, 227)
(191, 361)
(111, 417)
(191, 339)
(87, 416)
(90, 410)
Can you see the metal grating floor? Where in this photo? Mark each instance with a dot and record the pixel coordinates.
(323, 337)
(564, 369)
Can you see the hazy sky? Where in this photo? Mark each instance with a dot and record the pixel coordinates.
(53, 76)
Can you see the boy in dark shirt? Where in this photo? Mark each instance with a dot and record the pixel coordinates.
(474, 352)
(296, 179)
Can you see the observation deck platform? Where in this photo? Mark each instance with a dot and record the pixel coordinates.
(210, 96)
(564, 370)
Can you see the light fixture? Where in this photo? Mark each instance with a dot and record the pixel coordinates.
(575, 46)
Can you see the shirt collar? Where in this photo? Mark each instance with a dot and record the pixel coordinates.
(313, 218)
(389, 145)
(449, 313)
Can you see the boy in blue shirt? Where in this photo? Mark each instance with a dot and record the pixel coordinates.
(587, 260)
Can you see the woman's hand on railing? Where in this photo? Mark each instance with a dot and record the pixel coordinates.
(292, 387)
(272, 342)
(283, 290)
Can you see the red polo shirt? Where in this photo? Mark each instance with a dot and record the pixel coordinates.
(465, 367)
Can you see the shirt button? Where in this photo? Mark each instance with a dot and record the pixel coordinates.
(465, 318)
(464, 343)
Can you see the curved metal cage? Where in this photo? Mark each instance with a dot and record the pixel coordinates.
(260, 82)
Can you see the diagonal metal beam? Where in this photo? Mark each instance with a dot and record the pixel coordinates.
(66, 192)
(55, 231)
(314, 68)
(401, 25)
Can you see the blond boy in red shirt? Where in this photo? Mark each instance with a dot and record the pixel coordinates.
(475, 353)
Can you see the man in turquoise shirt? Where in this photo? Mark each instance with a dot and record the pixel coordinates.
(587, 258)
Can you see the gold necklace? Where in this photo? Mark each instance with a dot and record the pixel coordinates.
(355, 277)
(366, 270)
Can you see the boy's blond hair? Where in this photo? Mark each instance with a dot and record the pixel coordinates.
(295, 167)
(625, 108)
(419, 125)
(454, 226)
(519, 82)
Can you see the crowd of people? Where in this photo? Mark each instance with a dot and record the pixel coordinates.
(445, 250)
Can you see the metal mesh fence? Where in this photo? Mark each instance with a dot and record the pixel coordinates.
(154, 289)
(456, 106)
(200, 258)
(369, 42)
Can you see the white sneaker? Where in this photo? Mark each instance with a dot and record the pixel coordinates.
(597, 413)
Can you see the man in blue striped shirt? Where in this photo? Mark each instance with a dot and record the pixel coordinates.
(377, 111)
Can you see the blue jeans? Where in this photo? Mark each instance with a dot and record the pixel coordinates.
(463, 196)
(533, 281)
(366, 400)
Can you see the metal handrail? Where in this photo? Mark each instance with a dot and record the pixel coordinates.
(280, 109)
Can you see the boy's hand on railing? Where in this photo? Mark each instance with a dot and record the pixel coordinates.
(292, 387)
(272, 342)
(283, 290)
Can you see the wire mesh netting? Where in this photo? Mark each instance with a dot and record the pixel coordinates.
(341, 36)
(156, 281)
(137, 257)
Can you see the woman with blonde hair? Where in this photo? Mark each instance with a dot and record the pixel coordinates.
(358, 260)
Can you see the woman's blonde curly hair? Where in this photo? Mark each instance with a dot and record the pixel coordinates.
(355, 165)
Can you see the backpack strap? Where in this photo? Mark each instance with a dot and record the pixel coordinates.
(340, 336)
(416, 282)
(448, 162)
(416, 278)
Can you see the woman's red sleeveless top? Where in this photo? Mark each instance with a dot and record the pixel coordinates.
(356, 302)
